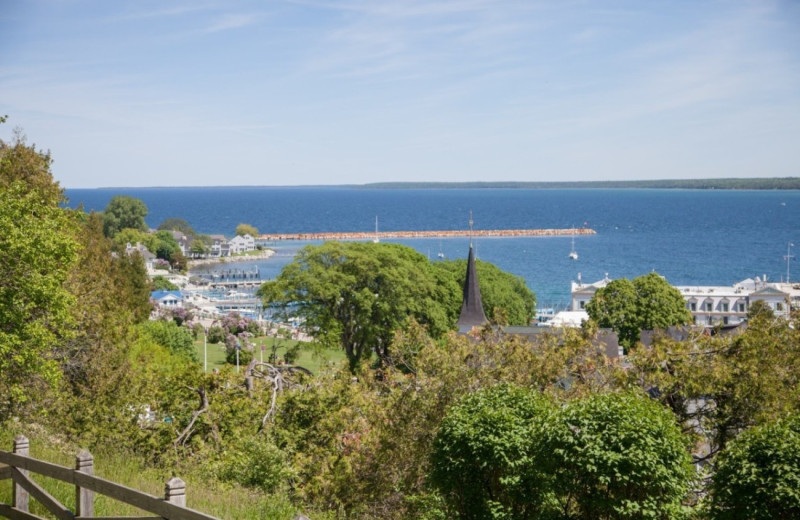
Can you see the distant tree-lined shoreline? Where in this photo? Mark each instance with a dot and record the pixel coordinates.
(772, 183)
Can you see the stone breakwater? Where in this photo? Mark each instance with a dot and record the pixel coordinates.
(431, 234)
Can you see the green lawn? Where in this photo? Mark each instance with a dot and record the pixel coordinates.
(308, 358)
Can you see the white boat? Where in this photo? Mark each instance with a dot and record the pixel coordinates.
(440, 255)
(572, 253)
(376, 239)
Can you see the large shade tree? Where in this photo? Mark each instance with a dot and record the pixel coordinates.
(648, 302)
(355, 295)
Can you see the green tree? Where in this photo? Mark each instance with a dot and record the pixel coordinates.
(167, 333)
(501, 292)
(162, 284)
(24, 163)
(135, 236)
(176, 224)
(483, 455)
(246, 229)
(658, 304)
(614, 307)
(760, 309)
(720, 385)
(133, 284)
(124, 212)
(355, 295)
(757, 477)
(108, 304)
(646, 303)
(617, 456)
(201, 245)
(166, 246)
(37, 251)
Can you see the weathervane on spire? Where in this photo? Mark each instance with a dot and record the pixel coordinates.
(470, 228)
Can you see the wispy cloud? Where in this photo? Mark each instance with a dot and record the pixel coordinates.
(227, 22)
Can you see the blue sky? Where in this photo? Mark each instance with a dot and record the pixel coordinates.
(205, 93)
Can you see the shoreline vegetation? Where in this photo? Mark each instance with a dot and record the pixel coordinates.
(767, 183)
(749, 183)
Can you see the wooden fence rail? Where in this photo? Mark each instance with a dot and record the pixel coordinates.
(18, 465)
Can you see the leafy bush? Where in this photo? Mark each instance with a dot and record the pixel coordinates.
(160, 283)
(482, 460)
(240, 344)
(256, 462)
(617, 455)
(216, 334)
(176, 339)
(758, 475)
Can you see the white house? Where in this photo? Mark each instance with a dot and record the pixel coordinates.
(241, 244)
(219, 246)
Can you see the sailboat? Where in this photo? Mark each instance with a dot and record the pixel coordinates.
(376, 239)
(572, 253)
(440, 255)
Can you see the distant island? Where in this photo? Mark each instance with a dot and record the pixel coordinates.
(770, 183)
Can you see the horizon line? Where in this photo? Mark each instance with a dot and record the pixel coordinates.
(705, 183)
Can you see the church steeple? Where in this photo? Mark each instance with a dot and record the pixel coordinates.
(472, 314)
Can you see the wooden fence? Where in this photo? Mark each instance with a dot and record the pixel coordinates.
(18, 465)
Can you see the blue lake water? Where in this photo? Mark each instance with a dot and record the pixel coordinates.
(705, 237)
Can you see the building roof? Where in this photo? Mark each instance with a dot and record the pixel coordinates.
(159, 295)
(769, 291)
(472, 314)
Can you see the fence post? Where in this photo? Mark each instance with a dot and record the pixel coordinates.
(20, 495)
(84, 498)
(175, 492)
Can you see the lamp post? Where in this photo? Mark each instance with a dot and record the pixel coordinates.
(238, 348)
(205, 349)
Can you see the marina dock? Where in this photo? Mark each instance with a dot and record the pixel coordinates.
(363, 235)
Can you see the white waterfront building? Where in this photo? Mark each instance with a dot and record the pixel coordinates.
(713, 305)
(241, 244)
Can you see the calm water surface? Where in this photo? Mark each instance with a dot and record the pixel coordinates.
(690, 236)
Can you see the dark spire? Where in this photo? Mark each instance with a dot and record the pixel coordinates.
(472, 314)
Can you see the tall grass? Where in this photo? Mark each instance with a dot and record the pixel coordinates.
(310, 357)
(224, 501)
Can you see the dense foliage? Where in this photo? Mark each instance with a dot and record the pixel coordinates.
(37, 250)
(505, 297)
(484, 457)
(497, 426)
(176, 224)
(618, 456)
(246, 229)
(758, 476)
(629, 307)
(124, 212)
(506, 452)
(357, 294)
